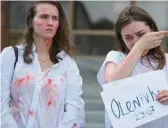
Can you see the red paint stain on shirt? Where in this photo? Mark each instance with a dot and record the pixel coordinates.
(19, 81)
(28, 77)
(74, 125)
(48, 83)
(50, 103)
(65, 76)
(44, 76)
(31, 113)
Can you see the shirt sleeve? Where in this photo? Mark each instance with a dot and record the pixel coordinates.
(113, 56)
(7, 58)
(74, 116)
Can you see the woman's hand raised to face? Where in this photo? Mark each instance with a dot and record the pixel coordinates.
(151, 40)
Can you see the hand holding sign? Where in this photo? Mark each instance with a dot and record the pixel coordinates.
(163, 97)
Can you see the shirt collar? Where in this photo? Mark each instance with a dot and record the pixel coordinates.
(60, 54)
(33, 48)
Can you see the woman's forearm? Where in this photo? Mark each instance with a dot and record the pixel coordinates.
(125, 68)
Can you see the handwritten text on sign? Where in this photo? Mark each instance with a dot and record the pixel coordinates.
(132, 103)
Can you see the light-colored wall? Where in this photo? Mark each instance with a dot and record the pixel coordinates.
(158, 10)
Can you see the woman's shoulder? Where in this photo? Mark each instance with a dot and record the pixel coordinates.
(119, 54)
(64, 56)
(67, 59)
(115, 56)
(7, 56)
(7, 51)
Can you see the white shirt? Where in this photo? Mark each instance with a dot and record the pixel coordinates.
(31, 98)
(117, 57)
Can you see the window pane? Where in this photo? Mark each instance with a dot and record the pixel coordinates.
(17, 12)
(158, 10)
(97, 14)
(91, 52)
(95, 45)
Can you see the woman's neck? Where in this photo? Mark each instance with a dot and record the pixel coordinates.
(42, 44)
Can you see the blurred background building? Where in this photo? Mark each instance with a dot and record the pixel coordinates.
(91, 24)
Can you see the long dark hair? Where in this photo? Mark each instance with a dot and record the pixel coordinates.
(134, 13)
(60, 40)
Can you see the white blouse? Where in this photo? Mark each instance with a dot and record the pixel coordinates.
(117, 57)
(31, 98)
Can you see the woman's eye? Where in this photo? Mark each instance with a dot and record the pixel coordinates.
(44, 16)
(129, 38)
(55, 18)
(140, 35)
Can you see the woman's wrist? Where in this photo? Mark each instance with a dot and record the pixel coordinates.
(137, 51)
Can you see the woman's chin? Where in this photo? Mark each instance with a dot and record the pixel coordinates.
(48, 36)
